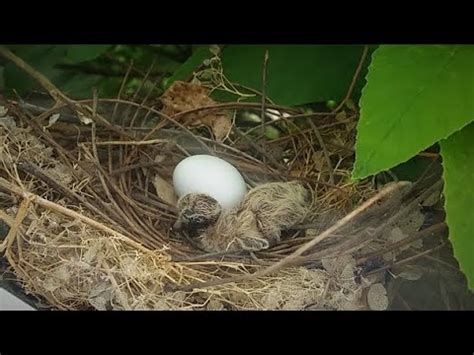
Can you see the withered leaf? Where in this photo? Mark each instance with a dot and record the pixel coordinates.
(182, 96)
(221, 127)
(164, 190)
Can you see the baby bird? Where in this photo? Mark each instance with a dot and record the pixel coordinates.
(255, 225)
(196, 213)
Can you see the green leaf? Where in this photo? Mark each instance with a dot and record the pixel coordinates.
(415, 96)
(188, 67)
(458, 161)
(296, 74)
(109, 87)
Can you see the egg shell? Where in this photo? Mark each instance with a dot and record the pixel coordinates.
(212, 176)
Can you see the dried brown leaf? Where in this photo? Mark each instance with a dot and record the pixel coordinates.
(182, 96)
(164, 190)
(221, 127)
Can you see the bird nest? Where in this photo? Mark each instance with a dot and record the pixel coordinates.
(90, 205)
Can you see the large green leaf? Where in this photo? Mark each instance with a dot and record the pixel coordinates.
(415, 96)
(296, 74)
(458, 162)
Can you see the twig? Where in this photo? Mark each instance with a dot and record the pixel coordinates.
(406, 260)
(430, 155)
(207, 256)
(12, 233)
(424, 174)
(253, 91)
(323, 147)
(43, 111)
(161, 114)
(143, 81)
(311, 115)
(442, 262)
(142, 84)
(151, 141)
(95, 101)
(354, 79)
(145, 99)
(259, 149)
(264, 90)
(127, 168)
(122, 86)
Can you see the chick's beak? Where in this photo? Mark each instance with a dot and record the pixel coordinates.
(177, 227)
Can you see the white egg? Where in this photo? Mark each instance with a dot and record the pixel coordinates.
(212, 176)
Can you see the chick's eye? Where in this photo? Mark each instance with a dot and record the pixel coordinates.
(196, 219)
(188, 214)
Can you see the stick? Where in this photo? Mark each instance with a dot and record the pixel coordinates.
(264, 90)
(15, 227)
(151, 141)
(325, 151)
(259, 149)
(404, 261)
(122, 86)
